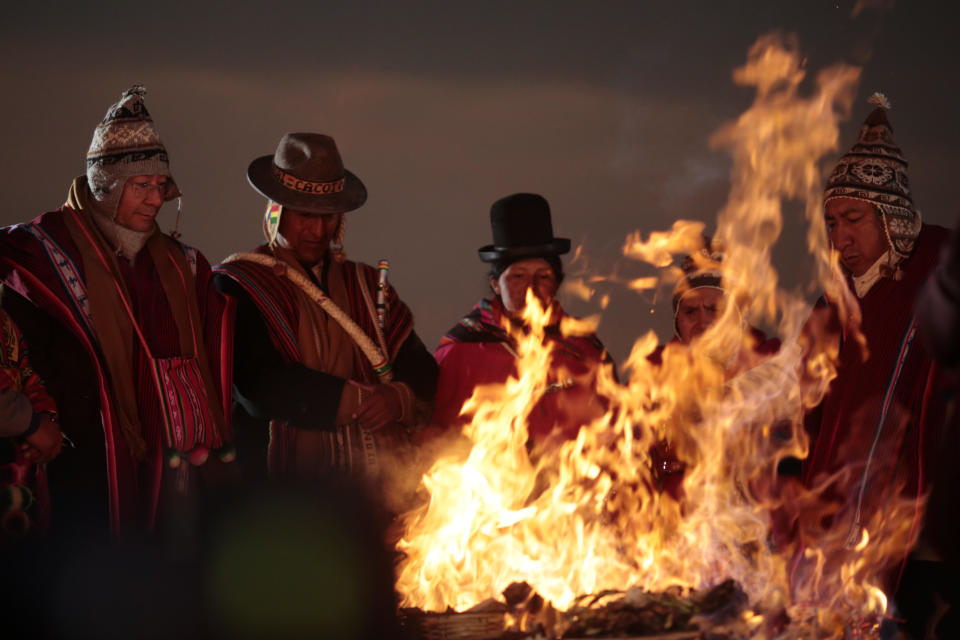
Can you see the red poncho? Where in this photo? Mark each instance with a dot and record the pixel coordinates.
(880, 417)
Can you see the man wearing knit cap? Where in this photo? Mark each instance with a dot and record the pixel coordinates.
(126, 329)
(882, 411)
(328, 368)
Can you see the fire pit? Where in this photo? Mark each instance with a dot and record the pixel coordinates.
(722, 613)
(613, 614)
(586, 516)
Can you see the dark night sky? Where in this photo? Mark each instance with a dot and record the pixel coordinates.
(606, 108)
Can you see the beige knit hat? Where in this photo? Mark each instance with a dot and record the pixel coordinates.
(126, 144)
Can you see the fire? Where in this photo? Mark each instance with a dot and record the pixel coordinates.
(586, 515)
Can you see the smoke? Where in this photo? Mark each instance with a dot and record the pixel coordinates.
(880, 6)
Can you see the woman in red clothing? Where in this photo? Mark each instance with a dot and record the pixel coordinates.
(480, 350)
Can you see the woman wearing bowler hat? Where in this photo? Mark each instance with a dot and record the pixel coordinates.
(524, 256)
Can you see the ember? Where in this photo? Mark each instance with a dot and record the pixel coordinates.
(609, 614)
(586, 517)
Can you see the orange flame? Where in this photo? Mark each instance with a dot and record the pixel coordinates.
(587, 515)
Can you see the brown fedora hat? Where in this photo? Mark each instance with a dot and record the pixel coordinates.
(307, 174)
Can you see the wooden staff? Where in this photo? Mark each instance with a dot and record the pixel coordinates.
(382, 285)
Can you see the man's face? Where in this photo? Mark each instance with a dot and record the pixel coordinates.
(856, 232)
(308, 235)
(532, 273)
(697, 310)
(140, 202)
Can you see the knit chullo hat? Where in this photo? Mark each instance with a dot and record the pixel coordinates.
(126, 144)
(875, 171)
(701, 270)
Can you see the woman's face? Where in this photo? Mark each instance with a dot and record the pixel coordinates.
(532, 273)
(697, 310)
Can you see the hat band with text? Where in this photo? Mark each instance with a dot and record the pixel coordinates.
(294, 183)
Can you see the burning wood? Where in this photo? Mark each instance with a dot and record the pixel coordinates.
(615, 614)
(721, 611)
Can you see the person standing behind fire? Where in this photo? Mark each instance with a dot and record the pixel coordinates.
(127, 332)
(698, 300)
(320, 384)
(478, 350)
(883, 409)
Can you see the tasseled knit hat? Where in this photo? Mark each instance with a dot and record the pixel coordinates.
(125, 144)
(875, 171)
(700, 271)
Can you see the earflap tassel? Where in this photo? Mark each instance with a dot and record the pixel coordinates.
(175, 234)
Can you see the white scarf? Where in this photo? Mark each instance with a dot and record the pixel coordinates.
(863, 283)
(126, 241)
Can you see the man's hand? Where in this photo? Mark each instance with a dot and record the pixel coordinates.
(44, 444)
(379, 409)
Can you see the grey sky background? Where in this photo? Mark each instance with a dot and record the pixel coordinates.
(606, 108)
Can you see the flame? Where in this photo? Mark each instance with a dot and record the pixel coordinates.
(578, 288)
(660, 248)
(587, 514)
(643, 284)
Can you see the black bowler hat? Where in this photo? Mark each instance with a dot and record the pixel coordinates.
(522, 229)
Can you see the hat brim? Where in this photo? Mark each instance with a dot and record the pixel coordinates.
(491, 253)
(260, 176)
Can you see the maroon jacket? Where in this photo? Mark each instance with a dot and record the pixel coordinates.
(880, 416)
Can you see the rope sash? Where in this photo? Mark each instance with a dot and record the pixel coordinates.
(381, 365)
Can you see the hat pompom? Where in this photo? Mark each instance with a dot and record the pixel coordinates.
(880, 100)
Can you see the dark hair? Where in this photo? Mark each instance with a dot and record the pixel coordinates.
(497, 267)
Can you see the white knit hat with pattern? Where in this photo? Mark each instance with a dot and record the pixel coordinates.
(126, 144)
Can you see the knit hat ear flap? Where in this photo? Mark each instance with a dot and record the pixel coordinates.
(699, 270)
(126, 144)
(875, 171)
